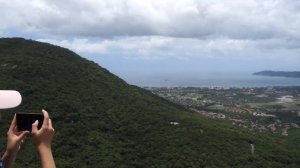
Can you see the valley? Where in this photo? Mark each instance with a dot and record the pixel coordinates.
(268, 109)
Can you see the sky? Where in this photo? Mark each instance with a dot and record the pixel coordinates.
(158, 38)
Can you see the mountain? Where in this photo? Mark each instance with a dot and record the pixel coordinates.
(288, 74)
(101, 121)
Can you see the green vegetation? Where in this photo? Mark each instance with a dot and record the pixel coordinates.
(101, 121)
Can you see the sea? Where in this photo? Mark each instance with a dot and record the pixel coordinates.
(210, 80)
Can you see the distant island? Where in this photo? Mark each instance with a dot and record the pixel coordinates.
(288, 74)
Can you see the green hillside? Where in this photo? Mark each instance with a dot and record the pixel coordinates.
(101, 121)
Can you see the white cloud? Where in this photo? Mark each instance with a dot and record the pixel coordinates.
(160, 29)
(131, 45)
(154, 47)
(80, 45)
(239, 19)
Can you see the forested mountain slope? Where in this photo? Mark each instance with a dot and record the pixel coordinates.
(101, 121)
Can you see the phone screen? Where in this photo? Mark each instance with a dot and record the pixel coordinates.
(25, 120)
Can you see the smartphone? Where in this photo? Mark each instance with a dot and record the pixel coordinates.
(25, 121)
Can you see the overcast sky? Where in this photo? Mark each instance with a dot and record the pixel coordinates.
(134, 38)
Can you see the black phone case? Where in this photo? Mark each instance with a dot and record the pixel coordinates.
(25, 121)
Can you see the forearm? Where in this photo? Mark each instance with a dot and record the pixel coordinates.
(8, 159)
(46, 156)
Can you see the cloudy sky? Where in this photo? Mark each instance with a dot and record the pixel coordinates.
(151, 38)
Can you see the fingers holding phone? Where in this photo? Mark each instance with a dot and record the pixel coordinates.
(15, 137)
(42, 132)
(42, 137)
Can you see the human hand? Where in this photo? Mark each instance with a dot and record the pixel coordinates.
(42, 137)
(15, 138)
(14, 141)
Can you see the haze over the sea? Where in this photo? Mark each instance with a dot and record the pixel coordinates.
(212, 80)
